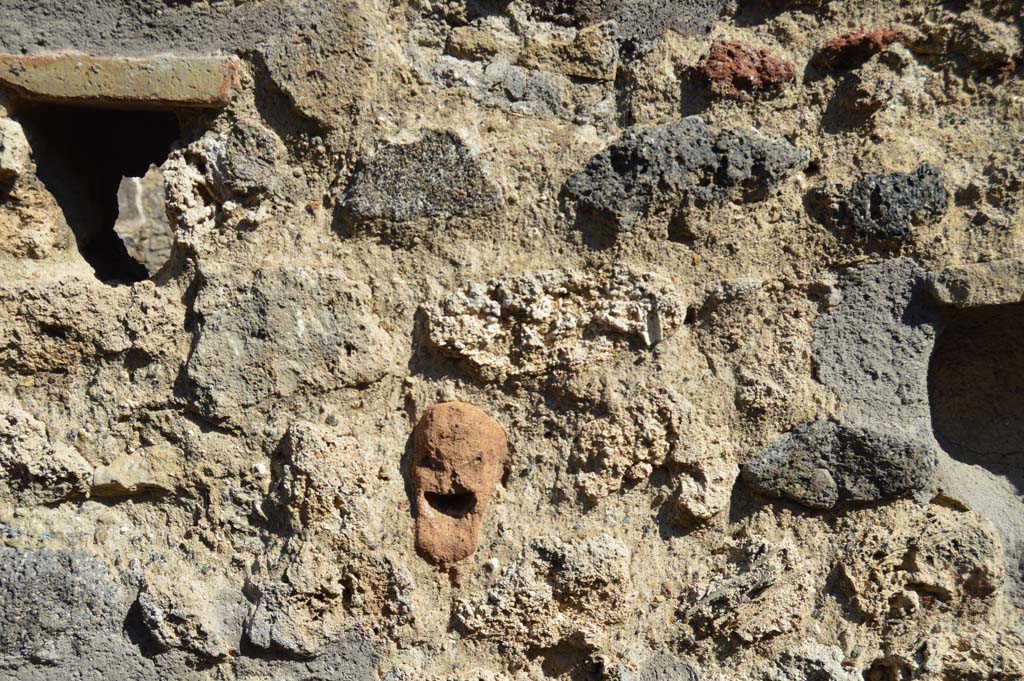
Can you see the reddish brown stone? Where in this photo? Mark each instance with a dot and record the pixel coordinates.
(856, 47)
(458, 457)
(735, 70)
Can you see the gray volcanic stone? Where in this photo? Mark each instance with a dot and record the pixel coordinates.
(886, 207)
(354, 658)
(821, 463)
(871, 348)
(51, 602)
(812, 662)
(641, 21)
(436, 176)
(663, 667)
(62, 617)
(648, 169)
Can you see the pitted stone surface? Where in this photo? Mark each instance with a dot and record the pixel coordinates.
(14, 150)
(856, 47)
(821, 463)
(554, 592)
(207, 460)
(54, 601)
(34, 469)
(639, 21)
(872, 346)
(659, 432)
(535, 322)
(733, 69)
(669, 167)
(887, 207)
(436, 176)
(61, 616)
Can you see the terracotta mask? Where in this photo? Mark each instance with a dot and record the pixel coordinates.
(458, 457)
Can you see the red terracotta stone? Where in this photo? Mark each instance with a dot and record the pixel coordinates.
(735, 70)
(856, 47)
(458, 458)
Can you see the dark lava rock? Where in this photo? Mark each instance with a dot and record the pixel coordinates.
(648, 169)
(436, 176)
(886, 207)
(732, 69)
(639, 21)
(821, 463)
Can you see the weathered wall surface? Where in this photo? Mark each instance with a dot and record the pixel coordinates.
(734, 290)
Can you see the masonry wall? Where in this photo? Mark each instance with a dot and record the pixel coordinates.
(507, 340)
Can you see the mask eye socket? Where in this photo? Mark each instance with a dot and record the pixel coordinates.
(431, 462)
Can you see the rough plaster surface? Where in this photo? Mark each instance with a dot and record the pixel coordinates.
(755, 360)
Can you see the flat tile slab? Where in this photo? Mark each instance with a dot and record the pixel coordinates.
(165, 80)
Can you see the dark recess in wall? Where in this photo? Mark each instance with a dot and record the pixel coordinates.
(976, 389)
(82, 154)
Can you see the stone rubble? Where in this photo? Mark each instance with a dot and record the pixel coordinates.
(821, 464)
(536, 322)
(686, 163)
(517, 340)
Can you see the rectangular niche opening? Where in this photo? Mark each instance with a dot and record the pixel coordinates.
(99, 128)
(89, 159)
(976, 388)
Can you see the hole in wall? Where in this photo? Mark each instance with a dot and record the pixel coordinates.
(680, 231)
(453, 505)
(976, 389)
(886, 670)
(83, 157)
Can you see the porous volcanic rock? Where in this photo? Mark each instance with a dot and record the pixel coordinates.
(535, 322)
(678, 165)
(654, 243)
(887, 207)
(821, 463)
(14, 150)
(433, 177)
(640, 21)
(733, 69)
(856, 47)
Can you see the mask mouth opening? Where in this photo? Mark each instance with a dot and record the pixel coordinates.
(452, 505)
(976, 389)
